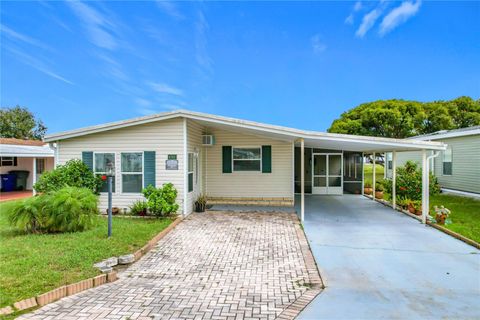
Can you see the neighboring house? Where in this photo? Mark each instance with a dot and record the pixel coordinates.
(229, 160)
(25, 155)
(458, 167)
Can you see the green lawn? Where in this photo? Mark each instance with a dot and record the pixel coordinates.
(368, 172)
(465, 214)
(31, 264)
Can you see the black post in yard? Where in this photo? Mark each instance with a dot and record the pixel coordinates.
(109, 206)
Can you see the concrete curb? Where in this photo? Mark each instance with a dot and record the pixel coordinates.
(458, 236)
(316, 282)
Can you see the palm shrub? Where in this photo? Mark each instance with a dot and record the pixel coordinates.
(74, 173)
(161, 201)
(28, 215)
(70, 209)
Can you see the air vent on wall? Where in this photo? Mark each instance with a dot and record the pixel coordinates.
(208, 140)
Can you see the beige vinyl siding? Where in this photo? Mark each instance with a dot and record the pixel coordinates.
(403, 157)
(194, 145)
(279, 183)
(163, 137)
(465, 164)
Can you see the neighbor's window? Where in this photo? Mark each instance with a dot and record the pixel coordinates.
(102, 160)
(190, 172)
(132, 172)
(447, 162)
(389, 161)
(8, 161)
(247, 159)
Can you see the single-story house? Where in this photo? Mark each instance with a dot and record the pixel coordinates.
(229, 160)
(458, 167)
(32, 156)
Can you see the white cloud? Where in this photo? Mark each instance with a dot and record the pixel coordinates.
(142, 102)
(98, 26)
(165, 88)
(368, 22)
(349, 19)
(398, 16)
(36, 64)
(201, 53)
(171, 9)
(317, 44)
(16, 36)
(357, 6)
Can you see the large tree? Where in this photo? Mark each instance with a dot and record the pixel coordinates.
(402, 118)
(18, 122)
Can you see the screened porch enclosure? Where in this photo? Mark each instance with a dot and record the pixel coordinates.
(328, 171)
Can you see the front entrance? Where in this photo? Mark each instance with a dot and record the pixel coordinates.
(327, 173)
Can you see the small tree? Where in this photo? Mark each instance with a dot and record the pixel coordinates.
(161, 201)
(18, 122)
(74, 173)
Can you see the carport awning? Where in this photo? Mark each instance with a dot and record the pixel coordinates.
(19, 151)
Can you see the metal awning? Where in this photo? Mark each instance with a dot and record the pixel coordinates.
(26, 151)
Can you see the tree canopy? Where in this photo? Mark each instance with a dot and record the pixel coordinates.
(18, 122)
(403, 118)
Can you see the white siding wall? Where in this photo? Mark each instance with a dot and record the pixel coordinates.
(163, 137)
(279, 183)
(27, 164)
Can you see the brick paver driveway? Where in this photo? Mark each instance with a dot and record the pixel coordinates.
(211, 266)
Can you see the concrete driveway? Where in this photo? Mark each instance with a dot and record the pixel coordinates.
(377, 263)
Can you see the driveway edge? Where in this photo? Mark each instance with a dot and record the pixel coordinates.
(316, 283)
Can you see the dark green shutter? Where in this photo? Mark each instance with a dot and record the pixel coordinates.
(87, 158)
(266, 159)
(149, 168)
(227, 159)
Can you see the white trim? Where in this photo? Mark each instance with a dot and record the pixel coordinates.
(291, 133)
(463, 193)
(185, 167)
(446, 135)
(34, 178)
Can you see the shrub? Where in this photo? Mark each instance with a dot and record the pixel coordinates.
(379, 187)
(409, 182)
(66, 210)
(70, 209)
(74, 173)
(367, 184)
(139, 208)
(29, 215)
(161, 201)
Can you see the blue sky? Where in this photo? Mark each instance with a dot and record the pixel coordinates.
(298, 64)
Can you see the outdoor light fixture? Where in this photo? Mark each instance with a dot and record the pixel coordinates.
(110, 171)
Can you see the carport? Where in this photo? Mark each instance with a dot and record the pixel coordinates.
(332, 164)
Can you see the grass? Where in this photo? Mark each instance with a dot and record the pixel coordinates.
(368, 172)
(31, 264)
(465, 214)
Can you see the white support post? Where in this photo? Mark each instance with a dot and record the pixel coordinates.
(302, 180)
(363, 173)
(425, 187)
(394, 179)
(373, 178)
(34, 178)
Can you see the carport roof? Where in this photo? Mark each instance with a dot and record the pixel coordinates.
(314, 139)
(11, 150)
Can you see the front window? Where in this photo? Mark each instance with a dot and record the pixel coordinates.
(447, 162)
(8, 161)
(190, 172)
(102, 161)
(132, 172)
(40, 165)
(247, 159)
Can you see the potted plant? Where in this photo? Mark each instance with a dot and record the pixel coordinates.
(115, 210)
(403, 202)
(379, 191)
(411, 207)
(201, 203)
(367, 187)
(139, 208)
(441, 214)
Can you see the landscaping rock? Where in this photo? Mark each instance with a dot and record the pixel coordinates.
(126, 259)
(105, 269)
(111, 262)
